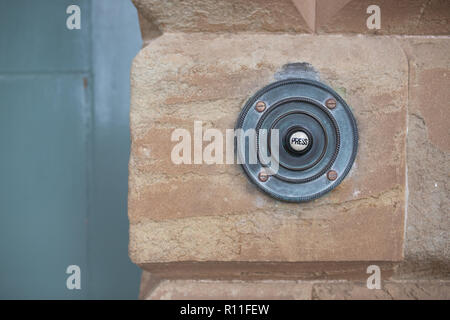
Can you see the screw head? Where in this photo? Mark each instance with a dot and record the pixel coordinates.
(332, 175)
(263, 176)
(330, 103)
(260, 106)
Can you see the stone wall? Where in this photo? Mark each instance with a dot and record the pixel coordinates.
(202, 60)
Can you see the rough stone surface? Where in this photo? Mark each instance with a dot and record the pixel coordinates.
(211, 212)
(428, 151)
(149, 30)
(411, 17)
(207, 222)
(300, 16)
(347, 270)
(223, 16)
(390, 290)
(230, 290)
(155, 289)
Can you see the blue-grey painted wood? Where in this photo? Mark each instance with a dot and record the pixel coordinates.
(116, 41)
(64, 141)
(34, 36)
(43, 186)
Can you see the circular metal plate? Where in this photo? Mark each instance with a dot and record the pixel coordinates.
(295, 112)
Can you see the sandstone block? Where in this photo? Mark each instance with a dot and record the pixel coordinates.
(222, 16)
(212, 212)
(417, 17)
(230, 290)
(170, 289)
(391, 290)
(428, 149)
(412, 17)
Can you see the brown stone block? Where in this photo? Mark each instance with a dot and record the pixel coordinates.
(348, 234)
(153, 288)
(229, 290)
(212, 212)
(311, 271)
(413, 17)
(223, 16)
(411, 290)
(428, 150)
